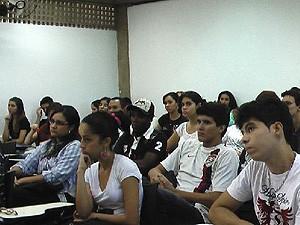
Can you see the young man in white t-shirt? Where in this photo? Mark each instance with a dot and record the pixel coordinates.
(204, 168)
(272, 178)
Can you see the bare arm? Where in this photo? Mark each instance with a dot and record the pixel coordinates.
(21, 138)
(206, 199)
(222, 211)
(38, 115)
(172, 142)
(155, 173)
(30, 180)
(32, 135)
(5, 134)
(131, 205)
(84, 199)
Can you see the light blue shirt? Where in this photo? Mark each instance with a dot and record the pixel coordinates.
(59, 169)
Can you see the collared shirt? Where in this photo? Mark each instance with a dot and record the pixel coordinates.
(55, 170)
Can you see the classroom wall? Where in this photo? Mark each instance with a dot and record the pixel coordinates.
(210, 46)
(74, 66)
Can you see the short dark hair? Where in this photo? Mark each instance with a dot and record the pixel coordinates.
(45, 100)
(295, 89)
(264, 95)
(294, 93)
(125, 101)
(268, 111)
(96, 103)
(54, 106)
(217, 111)
(232, 102)
(102, 124)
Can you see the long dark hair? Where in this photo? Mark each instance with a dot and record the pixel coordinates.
(57, 144)
(20, 113)
(232, 102)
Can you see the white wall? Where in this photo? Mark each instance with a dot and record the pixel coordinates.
(74, 66)
(210, 46)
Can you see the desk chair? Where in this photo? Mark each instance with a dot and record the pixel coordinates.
(6, 188)
(8, 148)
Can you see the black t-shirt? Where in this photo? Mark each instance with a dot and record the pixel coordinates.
(23, 125)
(156, 143)
(168, 126)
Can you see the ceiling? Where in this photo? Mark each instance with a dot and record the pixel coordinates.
(126, 2)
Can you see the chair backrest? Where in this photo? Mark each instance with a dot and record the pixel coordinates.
(8, 148)
(9, 178)
(2, 190)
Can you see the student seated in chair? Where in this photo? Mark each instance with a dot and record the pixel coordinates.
(48, 174)
(272, 177)
(39, 134)
(109, 191)
(145, 146)
(204, 168)
(16, 123)
(43, 109)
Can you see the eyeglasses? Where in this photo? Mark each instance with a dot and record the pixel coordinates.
(58, 122)
(8, 211)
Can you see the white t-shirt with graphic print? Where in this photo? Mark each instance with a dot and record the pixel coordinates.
(112, 196)
(281, 207)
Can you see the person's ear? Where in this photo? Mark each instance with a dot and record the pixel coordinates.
(277, 128)
(71, 128)
(107, 141)
(221, 128)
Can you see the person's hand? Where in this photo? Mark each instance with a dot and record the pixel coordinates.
(7, 118)
(93, 215)
(154, 176)
(19, 182)
(84, 162)
(39, 112)
(165, 183)
(34, 127)
(76, 217)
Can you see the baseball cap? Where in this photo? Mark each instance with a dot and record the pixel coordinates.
(143, 105)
